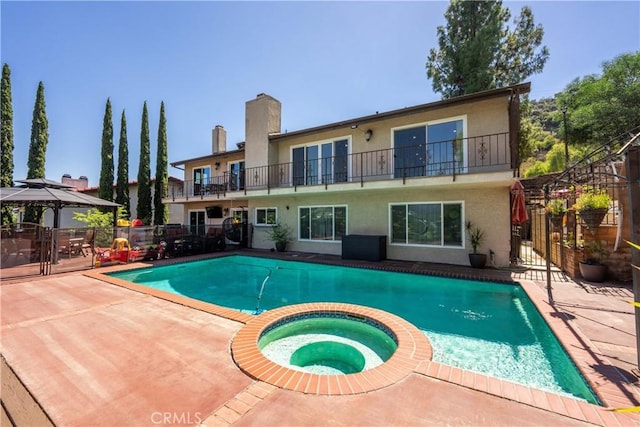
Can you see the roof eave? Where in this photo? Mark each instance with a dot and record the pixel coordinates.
(521, 88)
(207, 157)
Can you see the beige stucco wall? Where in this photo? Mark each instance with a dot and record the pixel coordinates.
(368, 213)
(485, 196)
(482, 118)
(201, 205)
(224, 159)
(263, 117)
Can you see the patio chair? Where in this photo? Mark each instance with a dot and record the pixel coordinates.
(88, 243)
(64, 246)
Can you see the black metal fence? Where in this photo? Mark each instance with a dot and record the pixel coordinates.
(487, 153)
(571, 239)
(31, 249)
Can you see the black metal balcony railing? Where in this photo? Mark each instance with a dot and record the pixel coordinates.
(486, 153)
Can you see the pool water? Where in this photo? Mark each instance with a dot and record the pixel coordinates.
(327, 344)
(490, 328)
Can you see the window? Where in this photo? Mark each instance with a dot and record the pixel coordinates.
(236, 176)
(321, 163)
(266, 216)
(327, 223)
(201, 179)
(427, 224)
(432, 149)
(196, 222)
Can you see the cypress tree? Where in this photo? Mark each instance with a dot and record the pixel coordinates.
(161, 211)
(6, 135)
(122, 187)
(144, 171)
(37, 150)
(105, 191)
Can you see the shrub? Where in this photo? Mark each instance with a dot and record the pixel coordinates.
(592, 199)
(555, 207)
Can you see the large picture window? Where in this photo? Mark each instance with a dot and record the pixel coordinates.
(427, 224)
(321, 163)
(327, 223)
(266, 216)
(430, 149)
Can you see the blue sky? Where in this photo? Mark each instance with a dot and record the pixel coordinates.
(325, 61)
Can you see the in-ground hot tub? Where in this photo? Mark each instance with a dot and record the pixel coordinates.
(329, 348)
(328, 343)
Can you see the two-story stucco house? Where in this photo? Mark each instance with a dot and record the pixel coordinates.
(414, 175)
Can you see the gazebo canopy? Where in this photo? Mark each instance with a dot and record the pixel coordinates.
(42, 182)
(50, 194)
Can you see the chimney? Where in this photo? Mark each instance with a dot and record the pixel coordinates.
(262, 117)
(218, 140)
(80, 184)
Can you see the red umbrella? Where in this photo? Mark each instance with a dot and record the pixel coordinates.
(518, 204)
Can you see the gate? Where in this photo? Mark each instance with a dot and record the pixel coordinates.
(25, 250)
(570, 239)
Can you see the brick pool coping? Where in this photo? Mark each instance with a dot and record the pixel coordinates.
(612, 395)
(413, 348)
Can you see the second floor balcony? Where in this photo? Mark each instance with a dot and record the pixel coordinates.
(487, 153)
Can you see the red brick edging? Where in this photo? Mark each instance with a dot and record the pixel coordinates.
(413, 348)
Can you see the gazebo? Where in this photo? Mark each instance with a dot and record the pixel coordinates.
(42, 192)
(45, 193)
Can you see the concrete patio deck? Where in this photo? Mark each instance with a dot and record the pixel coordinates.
(79, 351)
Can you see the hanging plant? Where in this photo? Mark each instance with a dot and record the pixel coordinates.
(592, 206)
(556, 209)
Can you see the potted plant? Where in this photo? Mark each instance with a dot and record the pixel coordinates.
(592, 206)
(476, 236)
(591, 268)
(280, 234)
(556, 209)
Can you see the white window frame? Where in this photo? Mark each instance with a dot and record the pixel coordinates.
(196, 211)
(434, 202)
(346, 230)
(203, 166)
(266, 212)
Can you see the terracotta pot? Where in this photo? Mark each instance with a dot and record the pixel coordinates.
(593, 272)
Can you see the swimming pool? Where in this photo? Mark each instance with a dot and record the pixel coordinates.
(485, 327)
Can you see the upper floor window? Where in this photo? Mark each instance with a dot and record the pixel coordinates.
(201, 179)
(236, 175)
(321, 163)
(427, 224)
(266, 216)
(435, 148)
(323, 222)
